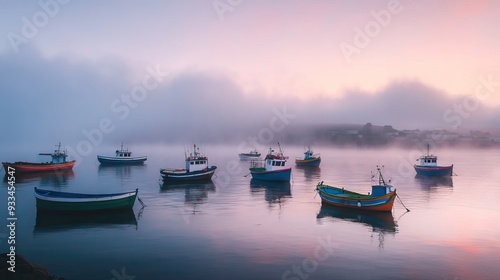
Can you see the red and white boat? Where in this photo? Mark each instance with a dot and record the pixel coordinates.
(58, 162)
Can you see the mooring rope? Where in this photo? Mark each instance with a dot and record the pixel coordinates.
(400, 201)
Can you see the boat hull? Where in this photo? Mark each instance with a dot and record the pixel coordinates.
(346, 199)
(274, 175)
(185, 176)
(121, 161)
(47, 200)
(308, 162)
(29, 167)
(434, 171)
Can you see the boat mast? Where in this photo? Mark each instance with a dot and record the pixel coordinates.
(279, 146)
(381, 180)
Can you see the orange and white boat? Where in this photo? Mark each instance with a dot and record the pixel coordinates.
(58, 162)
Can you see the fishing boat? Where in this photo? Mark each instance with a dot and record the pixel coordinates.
(59, 162)
(48, 200)
(196, 169)
(250, 155)
(309, 159)
(122, 156)
(272, 168)
(381, 198)
(427, 165)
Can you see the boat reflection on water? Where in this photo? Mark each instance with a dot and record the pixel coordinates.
(430, 182)
(311, 173)
(195, 193)
(379, 222)
(120, 171)
(50, 222)
(58, 178)
(274, 192)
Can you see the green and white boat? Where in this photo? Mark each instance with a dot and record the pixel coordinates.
(48, 200)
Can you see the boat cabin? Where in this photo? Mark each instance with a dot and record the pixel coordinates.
(379, 190)
(196, 161)
(382, 188)
(122, 153)
(309, 154)
(274, 161)
(427, 160)
(58, 156)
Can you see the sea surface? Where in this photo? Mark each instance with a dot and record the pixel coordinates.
(235, 228)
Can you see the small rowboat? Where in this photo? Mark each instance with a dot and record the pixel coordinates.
(49, 200)
(58, 162)
(381, 199)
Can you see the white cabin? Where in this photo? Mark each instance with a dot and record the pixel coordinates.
(274, 161)
(427, 160)
(121, 153)
(196, 161)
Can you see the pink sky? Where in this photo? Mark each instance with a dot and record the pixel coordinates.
(281, 47)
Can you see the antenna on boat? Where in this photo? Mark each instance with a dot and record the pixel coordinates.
(428, 148)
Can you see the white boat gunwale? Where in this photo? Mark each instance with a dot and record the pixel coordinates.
(101, 197)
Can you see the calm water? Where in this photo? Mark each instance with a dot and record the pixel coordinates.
(235, 228)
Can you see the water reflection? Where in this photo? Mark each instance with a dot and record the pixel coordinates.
(195, 193)
(120, 171)
(430, 182)
(311, 173)
(52, 179)
(274, 192)
(381, 223)
(50, 222)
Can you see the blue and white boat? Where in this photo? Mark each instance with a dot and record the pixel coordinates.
(428, 166)
(197, 169)
(272, 168)
(309, 159)
(122, 156)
